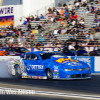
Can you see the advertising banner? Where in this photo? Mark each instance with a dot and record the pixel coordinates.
(97, 64)
(6, 15)
(93, 62)
(88, 48)
(89, 60)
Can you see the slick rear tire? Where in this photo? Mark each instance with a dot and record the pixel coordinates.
(17, 71)
(49, 74)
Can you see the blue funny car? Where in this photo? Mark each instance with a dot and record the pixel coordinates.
(48, 65)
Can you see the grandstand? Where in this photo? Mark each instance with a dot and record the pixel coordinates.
(39, 29)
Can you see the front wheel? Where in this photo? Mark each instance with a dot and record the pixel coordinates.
(49, 74)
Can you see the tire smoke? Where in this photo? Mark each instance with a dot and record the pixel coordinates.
(4, 70)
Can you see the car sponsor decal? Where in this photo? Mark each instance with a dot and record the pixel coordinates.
(56, 69)
(34, 77)
(55, 73)
(55, 76)
(61, 60)
(35, 67)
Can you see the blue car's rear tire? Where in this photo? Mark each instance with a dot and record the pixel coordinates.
(18, 71)
(49, 74)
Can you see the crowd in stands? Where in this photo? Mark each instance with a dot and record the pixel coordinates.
(65, 15)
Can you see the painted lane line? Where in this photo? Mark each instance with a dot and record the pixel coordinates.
(33, 92)
(69, 95)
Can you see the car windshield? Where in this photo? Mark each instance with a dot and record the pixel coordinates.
(21, 50)
(49, 55)
(9, 49)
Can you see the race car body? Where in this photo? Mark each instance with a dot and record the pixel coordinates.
(4, 53)
(48, 65)
(13, 51)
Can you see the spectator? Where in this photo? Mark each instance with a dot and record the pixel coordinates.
(32, 18)
(77, 5)
(27, 18)
(99, 2)
(96, 1)
(29, 26)
(66, 13)
(39, 26)
(26, 33)
(37, 18)
(42, 39)
(75, 2)
(82, 12)
(68, 31)
(27, 45)
(92, 7)
(37, 31)
(24, 23)
(50, 10)
(96, 29)
(46, 27)
(73, 22)
(63, 31)
(98, 12)
(86, 12)
(81, 22)
(84, 3)
(65, 24)
(59, 31)
(59, 5)
(66, 9)
(55, 13)
(11, 40)
(84, 27)
(62, 12)
(93, 30)
(92, 11)
(59, 45)
(99, 20)
(34, 31)
(20, 23)
(91, 37)
(95, 20)
(42, 24)
(41, 17)
(72, 49)
(46, 16)
(87, 7)
(64, 4)
(61, 22)
(70, 7)
(52, 19)
(38, 48)
(84, 43)
(59, 10)
(55, 32)
(75, 16)
(51, 37)
(49, 44)
(54, 9)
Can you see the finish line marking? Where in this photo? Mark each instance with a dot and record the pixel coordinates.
(13, 91)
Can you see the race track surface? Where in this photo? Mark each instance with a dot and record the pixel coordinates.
(22, 97)
(86, 86)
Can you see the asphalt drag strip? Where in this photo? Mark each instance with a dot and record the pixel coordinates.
(13, 91)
